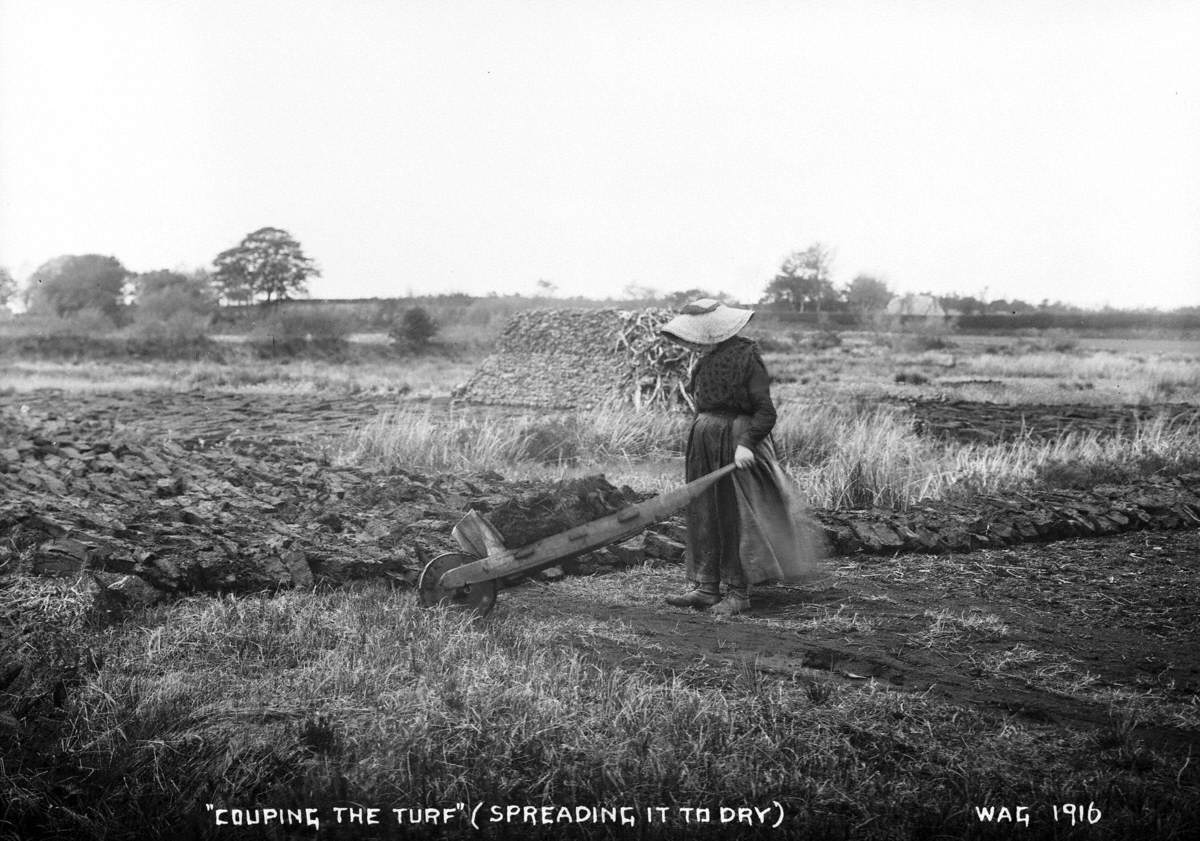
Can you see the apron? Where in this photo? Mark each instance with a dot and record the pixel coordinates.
(751, 526)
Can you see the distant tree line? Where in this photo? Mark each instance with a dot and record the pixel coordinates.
(803, 284)
(269, 266)
(97, 290)
(97, 293)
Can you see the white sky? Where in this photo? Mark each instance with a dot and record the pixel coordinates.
(1029, 149)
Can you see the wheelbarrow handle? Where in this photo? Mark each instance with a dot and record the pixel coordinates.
(584, 538)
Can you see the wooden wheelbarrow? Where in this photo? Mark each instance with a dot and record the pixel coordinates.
(470, 579)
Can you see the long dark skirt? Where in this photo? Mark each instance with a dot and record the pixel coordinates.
(750, 527)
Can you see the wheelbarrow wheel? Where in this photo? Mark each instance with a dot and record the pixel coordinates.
(478, 597)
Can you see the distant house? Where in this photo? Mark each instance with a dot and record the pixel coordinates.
(925, 305)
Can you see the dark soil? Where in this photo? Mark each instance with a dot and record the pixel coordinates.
(1122, 611)
(967, 422)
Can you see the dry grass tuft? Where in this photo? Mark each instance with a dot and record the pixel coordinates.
(856, 456)
(847, 456)
(360, 696)
(949, 628)
(842, 455)
(471, 440)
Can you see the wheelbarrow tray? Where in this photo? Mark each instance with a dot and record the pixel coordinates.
(457, 574)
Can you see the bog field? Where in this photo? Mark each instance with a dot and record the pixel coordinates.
(209, 626)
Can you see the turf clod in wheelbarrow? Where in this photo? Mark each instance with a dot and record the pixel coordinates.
(470, 579)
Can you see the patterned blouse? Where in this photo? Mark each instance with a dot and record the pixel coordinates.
(731, 378)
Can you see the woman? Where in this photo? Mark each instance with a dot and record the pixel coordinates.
(750, 527)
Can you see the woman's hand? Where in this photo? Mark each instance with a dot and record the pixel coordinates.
(743, 456)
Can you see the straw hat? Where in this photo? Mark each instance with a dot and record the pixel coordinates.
(706, 322)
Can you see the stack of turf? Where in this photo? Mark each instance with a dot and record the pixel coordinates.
(562, 359)
(136, 519)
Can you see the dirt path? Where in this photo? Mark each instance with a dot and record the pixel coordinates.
(1058, 632)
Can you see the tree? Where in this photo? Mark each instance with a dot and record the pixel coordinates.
(8, 286)
(867, 294)
(413, 332)
(233, 285)
(174, 306)
(964, 305)
(803, 280)
(195, 290)
(69, 284)
(1014, 307)
(162, 295)
(267, 262)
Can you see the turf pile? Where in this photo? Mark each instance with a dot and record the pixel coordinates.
(581, 358)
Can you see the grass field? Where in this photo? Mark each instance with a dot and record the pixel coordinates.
(358, 696)
(892, 703)
(833, 436)
(426, 375)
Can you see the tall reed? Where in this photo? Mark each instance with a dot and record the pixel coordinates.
(849, 455)
(474, 440)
